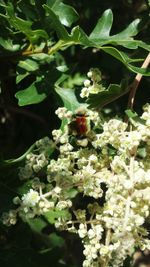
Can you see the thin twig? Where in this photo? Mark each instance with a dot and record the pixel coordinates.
(136, 82)
(31, 52)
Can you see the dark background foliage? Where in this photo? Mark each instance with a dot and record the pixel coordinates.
(37, 244)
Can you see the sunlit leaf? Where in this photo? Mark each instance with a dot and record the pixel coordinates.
(103, 26)
(55, 23)
(28, 64)
(101, 34)
(68, 97)
(8, 45)
(38, 90)
(67, 14)
(35, 93)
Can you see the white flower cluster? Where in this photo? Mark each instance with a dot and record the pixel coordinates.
(106, 162)
(93, 85)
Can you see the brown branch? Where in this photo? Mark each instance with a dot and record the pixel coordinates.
(136, 82)
(31, 52)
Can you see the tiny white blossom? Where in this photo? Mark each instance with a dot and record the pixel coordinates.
(87, 83)
(31, 198)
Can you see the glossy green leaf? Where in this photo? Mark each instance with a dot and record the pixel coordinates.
(68, 97)
(67, 14)
(55, 23)
(72, 81)
(101, 34)
(79, 37)
(8, 45)
(28, 64)
(39, 89)
(62, 68)
(31, 95)
(42, 58)
(103, 26)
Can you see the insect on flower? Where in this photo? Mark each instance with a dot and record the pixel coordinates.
(79, 125)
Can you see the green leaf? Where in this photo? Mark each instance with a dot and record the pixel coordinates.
(28, 64)
(143, 71)
(21, 77)
(72, 81)
(107, 96)
(70, 193)
(24, 26)
(68, 97)
(67, 14)
(43, 58)
(55, 24)
(103, 26)
(62, 68)
(37, 224)
(34, 94)
(39, 89)
(56, 240)
(101, 34)
(8, 45)
(133, 116)
(131, 30)
(79, 37)
(17, 160)
(130, 113)
(121, 56)
(141, 152)
(53, 215)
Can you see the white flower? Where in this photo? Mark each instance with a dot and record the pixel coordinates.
(60, 112)
(64, 204)
(57, 190)
(82, 230)
(84, 92)
(91, 233)
(139, 220)
(87, 83)
(89, 74)
(9, 218)
(104, 250)
(31, 198)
